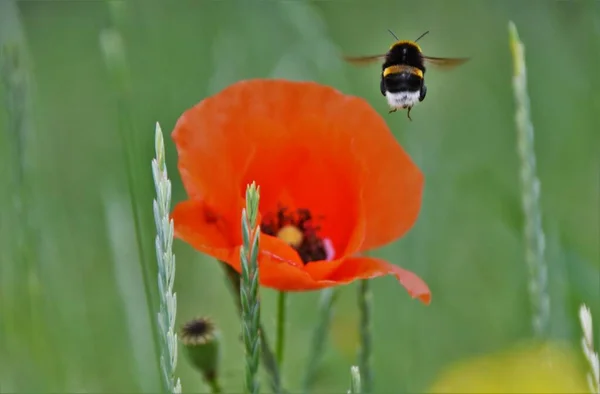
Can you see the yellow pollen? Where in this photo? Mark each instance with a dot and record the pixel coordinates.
(290, 235)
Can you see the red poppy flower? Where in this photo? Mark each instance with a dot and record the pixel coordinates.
(333, 182)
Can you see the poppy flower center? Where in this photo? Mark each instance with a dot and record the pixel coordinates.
(298, 229)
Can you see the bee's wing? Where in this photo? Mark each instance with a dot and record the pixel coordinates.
(445, 62)
(363, 60)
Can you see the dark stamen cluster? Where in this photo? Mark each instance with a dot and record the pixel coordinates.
(197, 328)
(312, 247)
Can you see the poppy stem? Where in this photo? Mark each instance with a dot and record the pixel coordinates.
(280, 340)
(364, 357)
(215, 387)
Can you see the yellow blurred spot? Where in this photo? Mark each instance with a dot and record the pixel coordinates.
(290, 235)
(530, 368)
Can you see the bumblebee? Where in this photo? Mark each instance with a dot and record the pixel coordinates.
(403, 72)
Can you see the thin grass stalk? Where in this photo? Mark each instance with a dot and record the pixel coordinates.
(355, 380)
(266, 354)
(17, 98)
(166, 265)
(364, 357)
(19, 260)
(21, 287)
(326, 301)
(587, 345)
(113, 51)
(249, 289)
(530, 192)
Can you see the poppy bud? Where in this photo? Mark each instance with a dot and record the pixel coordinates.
(201, 341)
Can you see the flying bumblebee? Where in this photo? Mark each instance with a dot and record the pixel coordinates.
(403, 71)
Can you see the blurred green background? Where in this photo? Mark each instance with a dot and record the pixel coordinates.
(74, 316)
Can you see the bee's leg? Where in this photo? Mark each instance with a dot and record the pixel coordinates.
(393, 110)
(423, 92)
(408, 114)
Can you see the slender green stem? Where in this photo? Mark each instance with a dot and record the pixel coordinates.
(14, 79)
(267, 356)
(364, 303)
(328, 297)
(20, 242)
(280, 340)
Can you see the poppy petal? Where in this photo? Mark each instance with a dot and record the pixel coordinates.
(321, 270)
(391, 183)
(293, 141)
(286, 149)
(280, 267)
(307, 146)
(205, 170)
(198, 225)
(300, 183)
(369, 267)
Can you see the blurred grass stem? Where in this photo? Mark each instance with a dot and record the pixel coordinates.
(530, 192)
(587, 345)
(281, 318)
(114, 55)
(355, 382)
(20, 282)
(20, 246)
(326, 301)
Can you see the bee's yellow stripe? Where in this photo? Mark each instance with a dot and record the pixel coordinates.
(405, 42)
(401, 68)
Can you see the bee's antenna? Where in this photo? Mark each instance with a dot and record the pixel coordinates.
(422, 35)
(392, 33)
